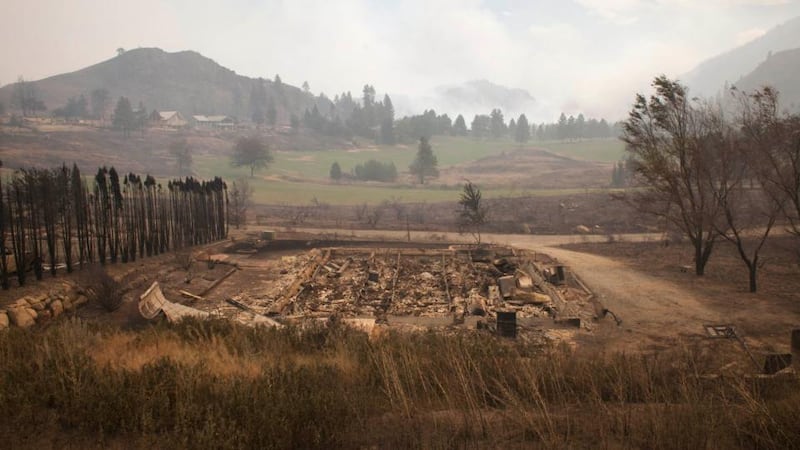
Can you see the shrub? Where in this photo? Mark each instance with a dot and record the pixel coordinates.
(103, 289)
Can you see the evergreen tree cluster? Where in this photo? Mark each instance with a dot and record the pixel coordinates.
(575, 128)
(76, 108)
(127, 119)
(374, 170)
(54, 217)
(427, 125)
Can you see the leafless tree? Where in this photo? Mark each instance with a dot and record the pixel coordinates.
(777, 138)
(241, 198)
(750, 203)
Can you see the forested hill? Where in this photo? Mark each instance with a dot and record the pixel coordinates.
(184, 81)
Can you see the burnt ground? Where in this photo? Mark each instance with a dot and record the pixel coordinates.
(634, 276)
(399, 285)
(664, 304)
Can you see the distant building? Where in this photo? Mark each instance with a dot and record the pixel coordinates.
(213, 122)
(173, 119)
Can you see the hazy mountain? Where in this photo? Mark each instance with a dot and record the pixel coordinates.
(710, 76)
(486, 95)
(184, 81)
(470, 98)
(781, 71)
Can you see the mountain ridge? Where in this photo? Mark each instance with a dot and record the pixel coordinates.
(184, 81)
(711, 75)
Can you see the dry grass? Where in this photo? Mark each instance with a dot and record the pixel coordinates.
(216, 385)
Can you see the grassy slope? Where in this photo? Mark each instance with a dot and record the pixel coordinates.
(299, 176)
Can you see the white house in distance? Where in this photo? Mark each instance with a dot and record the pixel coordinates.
(212, 122)
(173, 119)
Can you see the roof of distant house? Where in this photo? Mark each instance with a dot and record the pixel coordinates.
(166, 115)
(201, 118)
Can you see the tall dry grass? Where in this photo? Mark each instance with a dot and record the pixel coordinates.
(217, 385)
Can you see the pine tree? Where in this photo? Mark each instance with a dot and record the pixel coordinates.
(424, 165)
(459, 126)
(387, 125)
(124, 118)
(497, 124)
(336, 171)
(523, 130)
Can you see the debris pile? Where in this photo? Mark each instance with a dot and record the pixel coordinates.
(412, 285)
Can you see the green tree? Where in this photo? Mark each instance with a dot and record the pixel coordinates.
(523, 131)
(306, 87)
(561, 128)
(251, 151)
(459, 126)
(619, 175)
(480, 125)
(473, 213)
(512, 128)
(336, 171)
(272, 113)
(124, 118)
(182, 153)
(387, 124)
(374, 170)
(99, 99)
(580, 127)
(424, 165)
(141, 117)
(497, 125)
(258, 102)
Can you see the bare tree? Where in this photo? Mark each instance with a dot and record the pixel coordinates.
(750, 204)
(241, 198)
(666, 138)
(777, 139)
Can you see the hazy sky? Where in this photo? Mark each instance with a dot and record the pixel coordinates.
(579, 55)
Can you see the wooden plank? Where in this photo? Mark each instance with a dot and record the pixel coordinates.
(217, 282)
(188, 294)
(299, 282)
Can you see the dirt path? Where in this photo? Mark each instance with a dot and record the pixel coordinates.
(654, 313)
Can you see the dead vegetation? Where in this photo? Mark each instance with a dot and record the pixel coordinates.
(103, 289)
(213, 384)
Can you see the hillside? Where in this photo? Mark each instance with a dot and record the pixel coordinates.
(185, 81)
(781, 72)
(710, 76)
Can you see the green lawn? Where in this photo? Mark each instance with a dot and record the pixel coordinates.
(448, 150)
(304, 174)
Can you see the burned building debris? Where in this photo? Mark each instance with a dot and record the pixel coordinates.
(391, 284)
